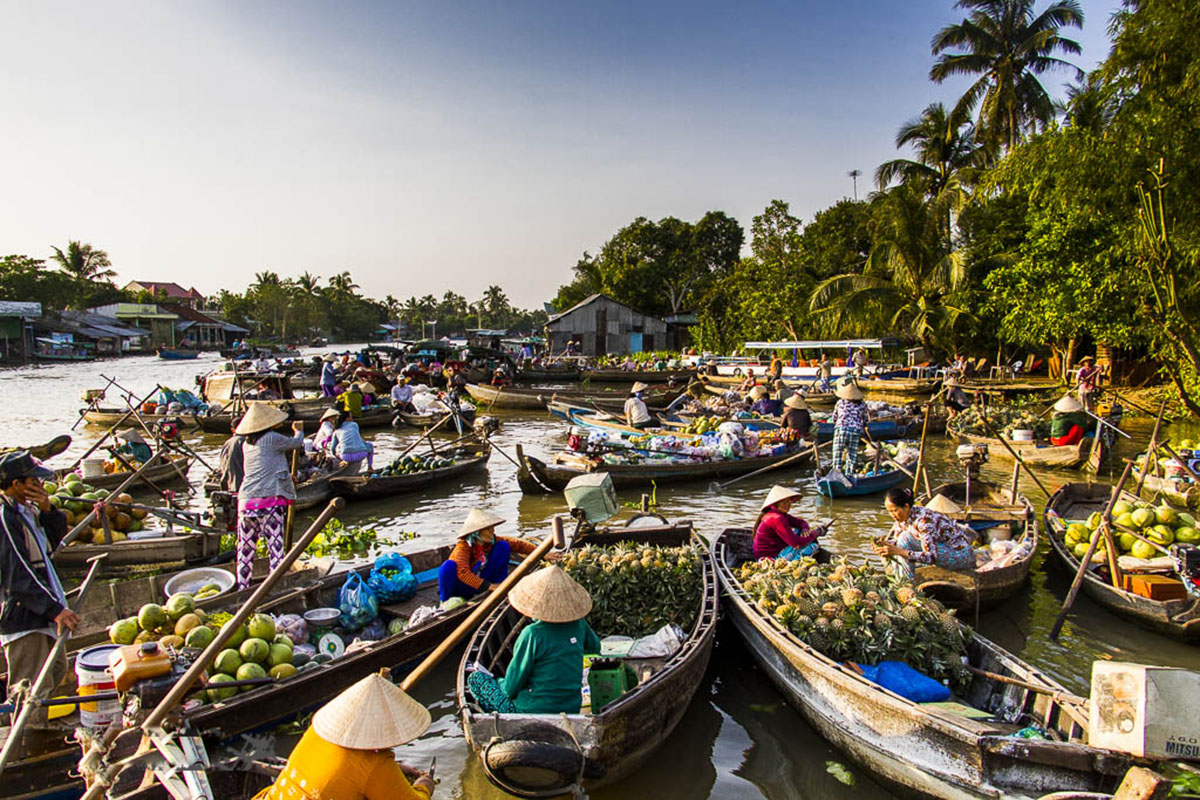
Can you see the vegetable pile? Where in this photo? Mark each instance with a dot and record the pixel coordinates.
(76, 498)
(858, 613)
(1004, 419)
(411, 464)
(1162, 525)
(637, 589)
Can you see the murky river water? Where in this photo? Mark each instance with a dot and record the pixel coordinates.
(739, 738)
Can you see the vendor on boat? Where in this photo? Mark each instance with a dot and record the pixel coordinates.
(1088, 381)
(231, 464)
(352, 400)
(134, 446)
(860, 361)
(1069, 423)
(956, 399)
(267, 489)
(782, 391)
(33, 606)
(776, 370)
(762, 404)
(347, 753)
(499, 379)
(849, 420)
(545, 674)
(329, 376)
(637, 415)
(925, 534)
(324, 435)
(824, 374)
(479, 558)
(402, 395)
(796, 417)
(778, 534)
(347, 445)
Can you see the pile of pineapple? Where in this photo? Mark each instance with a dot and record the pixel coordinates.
(853, 612)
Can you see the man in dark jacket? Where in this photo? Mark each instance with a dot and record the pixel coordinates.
(33, 606)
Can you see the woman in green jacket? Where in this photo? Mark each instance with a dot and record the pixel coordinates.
(545, 674)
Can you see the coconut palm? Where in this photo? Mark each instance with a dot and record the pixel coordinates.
(1090, 104)
(945, 148)
(83, 261)
(910, 277)
(1005, 45)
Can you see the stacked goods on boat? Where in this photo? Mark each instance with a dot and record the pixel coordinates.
(411, 464)
(76, 498)
(1004, 419)
(175, 401)
(731, 440)
(858, 613)
(1188, 451)
(1162, 525)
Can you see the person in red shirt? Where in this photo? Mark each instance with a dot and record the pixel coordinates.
(778, 534)
(479, 558)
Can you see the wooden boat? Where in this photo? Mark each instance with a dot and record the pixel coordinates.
(50, 350)
(432, 419)
(310, 493)
(543, 755)
(994, 514)
(173, 548)
(908, 387)
(1179, 619)
(514, 398)
(177, 355)
(1035, 454)
(110, 416)
(630, 376)
(926, 750)
(719, 385)
(863, 483)
(371, 417)
(878, 429)
(536, 477)
(1176, 491)
(173, 472)
(548, 373)
(363, 487)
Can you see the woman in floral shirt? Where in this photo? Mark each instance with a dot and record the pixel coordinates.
(924, 536)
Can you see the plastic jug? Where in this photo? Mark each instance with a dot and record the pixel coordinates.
(135, 662)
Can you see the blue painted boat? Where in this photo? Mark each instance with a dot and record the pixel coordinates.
(177, 355)
(867, 483)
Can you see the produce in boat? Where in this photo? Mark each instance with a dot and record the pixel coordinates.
(1004, 419)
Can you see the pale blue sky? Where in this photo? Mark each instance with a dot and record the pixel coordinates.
(442, 145)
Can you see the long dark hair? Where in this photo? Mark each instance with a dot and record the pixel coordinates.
(900, 496)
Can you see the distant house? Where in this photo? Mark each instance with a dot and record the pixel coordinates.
(106, 333)
(199, 330)
(148, 316)
(171, 292)
(602, 326)
(15, 331)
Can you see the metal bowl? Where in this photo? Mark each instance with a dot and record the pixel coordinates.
(321, 616)
(191, 580)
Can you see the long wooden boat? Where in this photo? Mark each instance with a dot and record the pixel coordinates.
(363, 487)
(179, 548)
(466, 418)
(630, 376)
(543, 755)
(1176, 491)
(993, 513)
(545, 373)
(109, 416)
(515, 398)
(862, 484)
(310, 493)
(909, 387)
(536, 477)
(926, 750)
(1035, 454)
(371, 417)
(1179, 619)
(173, 472)
(177, 355)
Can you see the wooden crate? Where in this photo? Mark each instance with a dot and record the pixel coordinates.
(1156, 587)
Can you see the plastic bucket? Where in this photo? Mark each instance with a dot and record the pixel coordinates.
(94, 676)
(1022, 436)
(92, 468)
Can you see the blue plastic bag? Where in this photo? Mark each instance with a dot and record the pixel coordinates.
(898, 677)
(395, 587)
(357, 603)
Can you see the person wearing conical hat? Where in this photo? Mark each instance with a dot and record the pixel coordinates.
(1088, 381)
(402, 395)
(796, 417)
(1069, 422)
(778, 534)
(267, 489)
(545, 674)
(782, 391)
(925, 535)
(329, 376)
(637, 415)
(352, 400)
(479, 558)
(347, 751)
(849, 419)
(134, 445)
(956, 399)
(762, 404)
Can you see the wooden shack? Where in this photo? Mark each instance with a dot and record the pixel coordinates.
(602, 326)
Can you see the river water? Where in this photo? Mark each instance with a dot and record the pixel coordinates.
(739, 738)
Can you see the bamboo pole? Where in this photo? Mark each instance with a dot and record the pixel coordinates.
(1151, 451)
(921, 451)
(82, 524)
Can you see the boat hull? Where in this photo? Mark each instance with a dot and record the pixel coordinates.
(1071, 456)
(861, 484)
(364, 488)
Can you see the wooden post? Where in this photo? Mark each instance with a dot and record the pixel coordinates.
(1015, 480)
(921, 451)
(1152, 450)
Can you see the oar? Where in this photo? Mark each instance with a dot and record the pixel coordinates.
(495, 397)
(1127, 401)
(1152, 450)
(475, 617)
(40, 684)
(1087, 557)
(83, 524)
(716, 487)
(921, 451)
(983, 418)
(291, 512)
(428, 432)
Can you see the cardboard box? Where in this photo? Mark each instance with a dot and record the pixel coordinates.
(1157, 587)
(1146, 711)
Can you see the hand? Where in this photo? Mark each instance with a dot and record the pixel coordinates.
(553, 556)
(886, 550)
(412, 773)
(67, 619)
(298, 426)
(36, 494)
(426, 782)
(819, 530)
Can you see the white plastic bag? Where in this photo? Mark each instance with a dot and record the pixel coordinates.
(660, 644)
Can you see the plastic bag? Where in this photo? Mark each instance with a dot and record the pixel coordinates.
(357, 602)
(392, 580)
(663, 642)
(294, 626)
(898, 677)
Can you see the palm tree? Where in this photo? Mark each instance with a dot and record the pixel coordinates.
(1090, 105)
(945, 149)
(308, 285)
(83, 261)
(342, 284)
(909, 280)
(1006, 46)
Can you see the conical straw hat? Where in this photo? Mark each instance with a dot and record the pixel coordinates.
(330, 413)
(130, 435)
(373, 714)
(1068, 404)
(943, 505)
(758, 392)
(638, 386)
(477, 520)
(551, 596)
(796, 401)
(368, 388)
(848, 390)
(778, 493)
(260, 417)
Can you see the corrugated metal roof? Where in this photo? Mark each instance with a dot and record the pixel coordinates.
(14, 308)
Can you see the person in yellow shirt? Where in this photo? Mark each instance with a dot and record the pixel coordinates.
(352, 400)
(346, 754)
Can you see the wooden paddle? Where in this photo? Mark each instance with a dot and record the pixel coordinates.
(40, 684)
(716, 487)
(1087, 557)
(482, 610)
(921, 451)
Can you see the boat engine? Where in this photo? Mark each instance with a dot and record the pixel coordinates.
(1187, 564)
(971, 457)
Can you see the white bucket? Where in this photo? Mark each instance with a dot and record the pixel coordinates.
(94, 676)
(1022, 436)
(92, 468)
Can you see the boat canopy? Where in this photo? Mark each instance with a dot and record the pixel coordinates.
(823, 344)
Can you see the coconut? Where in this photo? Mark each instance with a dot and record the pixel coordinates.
(1143, 517)
(250, 671)
(282, 671)
(239, 636)
(200, 637)
(261, 626)
(227, 661)
(279, 654)
(255, 650)
(185, 624)
(216, 695)
(179, 605)
(1166, 515)
(123, 631)
(152, 616)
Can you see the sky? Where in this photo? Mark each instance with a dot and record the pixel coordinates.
(440, 146)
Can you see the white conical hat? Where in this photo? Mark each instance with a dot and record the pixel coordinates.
(551, 595)
(130, 435)
(758, 392)
(848, 390)
(943, 505)
(638, 386)
(1067, 404)
(330, 413)
(368, 388)
(260, 417)
(373, 714)
(477, 520)
(796, 401)
(778, 493)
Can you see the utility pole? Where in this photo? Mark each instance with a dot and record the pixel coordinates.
(854, 173)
